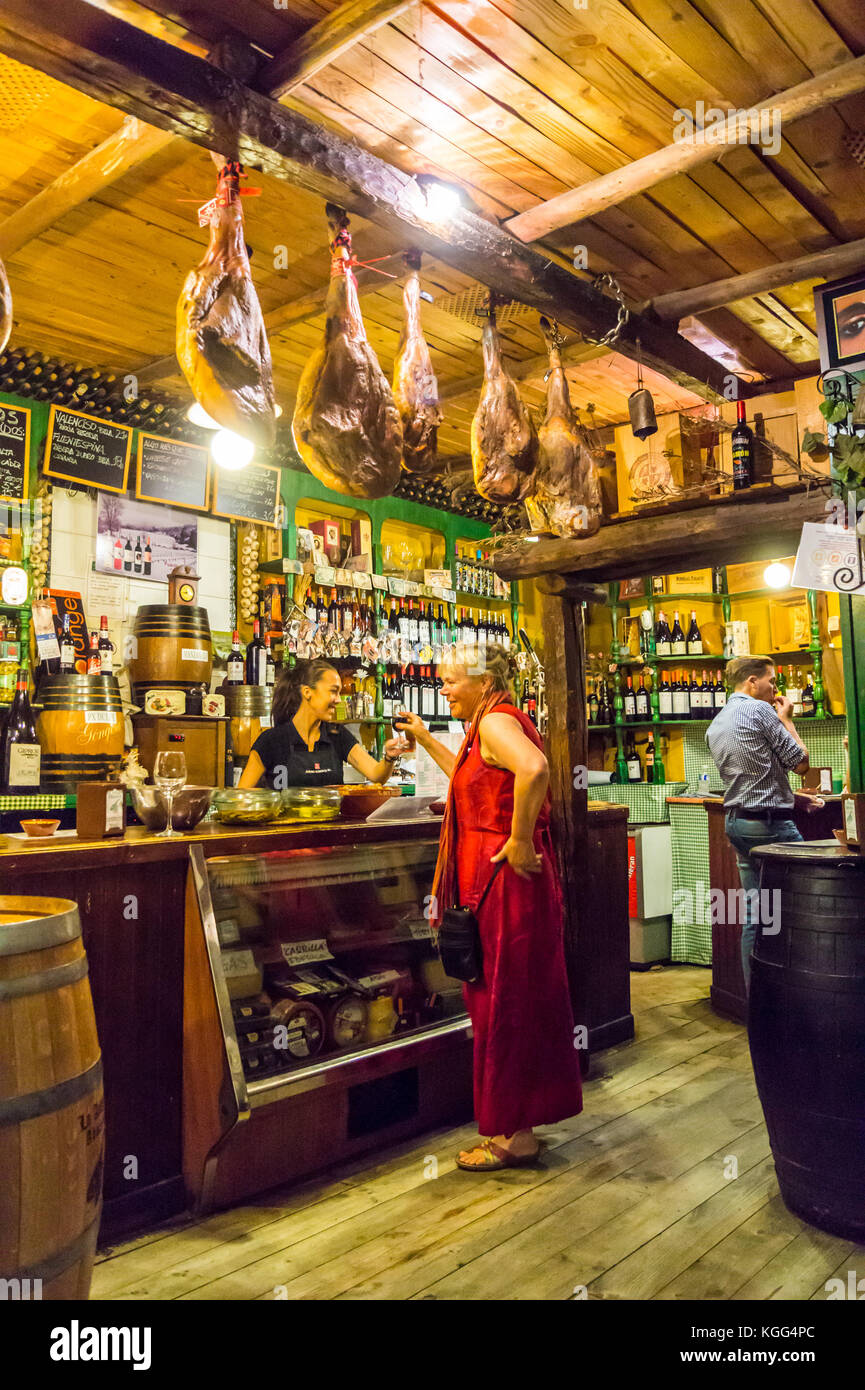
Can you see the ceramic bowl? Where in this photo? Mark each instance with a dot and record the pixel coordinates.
(39, 829)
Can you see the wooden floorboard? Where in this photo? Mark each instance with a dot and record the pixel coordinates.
(663, 1188)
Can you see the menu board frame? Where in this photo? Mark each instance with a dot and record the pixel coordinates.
(78, 479)
(237, 516)
(27, 412)
(173, 501)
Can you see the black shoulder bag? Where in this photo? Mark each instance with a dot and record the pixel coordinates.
(460, 938)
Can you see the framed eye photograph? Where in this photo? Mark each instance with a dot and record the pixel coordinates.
(840, 309)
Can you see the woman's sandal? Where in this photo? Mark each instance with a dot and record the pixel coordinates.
(496, 1157)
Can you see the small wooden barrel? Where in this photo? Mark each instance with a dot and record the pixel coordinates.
(80, 728)
(247, 706)
(172, 649)
(52, 1123)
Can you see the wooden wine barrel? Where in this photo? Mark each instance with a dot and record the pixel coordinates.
(172, 649)
(806, 1029)
(247, 706)
(51, 1108)
(80, 728)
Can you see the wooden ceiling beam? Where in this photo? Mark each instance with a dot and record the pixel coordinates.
(325, 42)
(525, 370)
(677, 158)
(116, 63)
(127, 147)
(824, 265)
(729, 530)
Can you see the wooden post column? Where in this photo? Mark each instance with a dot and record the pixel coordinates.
(592, 860)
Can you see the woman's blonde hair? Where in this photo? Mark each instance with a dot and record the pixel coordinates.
(492, 664)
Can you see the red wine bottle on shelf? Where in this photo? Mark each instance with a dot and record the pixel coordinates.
(21, 756)
(256, 658)
(67, 647)
(678, 643)
(105, 648)
(695, 639)
(234, 664)
(743, 450)
(94, 660)
(270, 664)
(662, 636)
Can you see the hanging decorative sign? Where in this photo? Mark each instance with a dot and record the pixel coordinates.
(829, 558)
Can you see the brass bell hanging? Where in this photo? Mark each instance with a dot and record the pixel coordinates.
(641, 407)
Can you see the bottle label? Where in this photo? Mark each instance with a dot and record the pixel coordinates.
(662, 648)
(679, 648)
(695, 648)
(105, 663)
(665, 702)
(720, 699)
(114, 809)
(194, 654)
(25, 761)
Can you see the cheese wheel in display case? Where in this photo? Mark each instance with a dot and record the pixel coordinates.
(347, 1022)
(305, 1029)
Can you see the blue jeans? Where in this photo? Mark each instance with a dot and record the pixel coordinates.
(744, 835)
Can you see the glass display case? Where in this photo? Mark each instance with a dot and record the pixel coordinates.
(321, 957)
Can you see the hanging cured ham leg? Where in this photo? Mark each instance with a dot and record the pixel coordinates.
(504, 442)
(415, 388)
(346, 425)
(5, 308)
(221, 344)
(565, 499)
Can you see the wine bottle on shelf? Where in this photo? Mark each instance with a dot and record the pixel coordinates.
(309, 604)
(743, 451)
(694, 638)
(781, 682)
(403, 622)
(662, 636)
(106, 648)
(127, 558)
(642, 702)
(630, 702)
(650, 758)
(270, 663)
(695, 699)
(720, 692)
(793, 691)
(94, 660)
(594, 705)
(665, 698)
(256, 657)
(632, 759)
(681, 704)
(21, 756)
(148, 556)
(707, 698)
(428, 695)
(424, 635)
(678, 642)
(234, 664)
(137, 556)
(809, 703)
(799, 687)
(67, 647)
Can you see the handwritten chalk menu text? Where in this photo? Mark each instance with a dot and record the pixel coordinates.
(90, 452)
(249, 495)
(169, 471)
(14, 451)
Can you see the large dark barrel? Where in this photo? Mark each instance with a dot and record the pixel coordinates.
(80, 729)
(51, 1110)
(806, 1028)
(171, 649)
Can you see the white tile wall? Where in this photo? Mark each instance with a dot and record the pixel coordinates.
(73, 545)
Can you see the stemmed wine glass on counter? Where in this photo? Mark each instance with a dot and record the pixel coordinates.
(169, 775)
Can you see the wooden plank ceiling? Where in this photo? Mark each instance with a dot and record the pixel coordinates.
(517, 101)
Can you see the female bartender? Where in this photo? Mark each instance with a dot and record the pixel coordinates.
(303, 749)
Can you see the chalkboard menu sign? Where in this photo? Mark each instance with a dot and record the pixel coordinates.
(14, 452)
(90, 452)
(251, 494)
(169, 471)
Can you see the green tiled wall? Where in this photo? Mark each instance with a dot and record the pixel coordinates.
(647, 801)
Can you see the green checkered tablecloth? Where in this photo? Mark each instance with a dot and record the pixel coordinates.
(38, 801)
(646, 801)
(692, 927)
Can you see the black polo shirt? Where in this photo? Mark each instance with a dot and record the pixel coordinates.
(283, 747)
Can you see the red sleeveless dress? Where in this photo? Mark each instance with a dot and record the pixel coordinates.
(526, 1070)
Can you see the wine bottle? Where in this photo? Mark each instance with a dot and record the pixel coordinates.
(106, 648)
(234, 664)
(148, 557)
(21, 764)
(412, 624)
(642, 702)
(793, 691)
(424, 635)
(94, 660)
(594, 705)
(67, 647)
(665, 698)
(270, 664)
(743, 451)
(630, 701)
(117, 552)
(809, 704)
(137, 556)
(678, 643)
(694, 639)
(309, 605)
(403, 622)
(662, 636)
(632, 758)
(428, 698)
(695, 699)
(720, 693)
(707, 698)
(781, 682)
(650, 758)
(127, 558)
(681, 706)
(256, 658)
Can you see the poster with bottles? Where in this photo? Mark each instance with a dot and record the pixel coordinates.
(142, 540)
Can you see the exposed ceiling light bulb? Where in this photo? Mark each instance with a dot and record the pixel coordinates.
(776, 575)
(199, 416)
(277, 410)
(230, 450)
(442, 199)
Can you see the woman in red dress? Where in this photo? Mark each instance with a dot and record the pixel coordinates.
(526, 1071)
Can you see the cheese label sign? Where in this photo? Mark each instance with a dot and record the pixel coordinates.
(302, 952)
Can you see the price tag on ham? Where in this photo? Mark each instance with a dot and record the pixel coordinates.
(302, 952)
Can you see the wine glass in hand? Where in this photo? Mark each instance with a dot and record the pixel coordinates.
(169, 775)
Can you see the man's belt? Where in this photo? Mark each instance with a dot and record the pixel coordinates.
(764, 813)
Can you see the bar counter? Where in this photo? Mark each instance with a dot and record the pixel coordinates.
(133, 897)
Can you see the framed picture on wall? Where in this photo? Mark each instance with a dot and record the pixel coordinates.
(840, 309)
(142, 540)
(632, 588)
